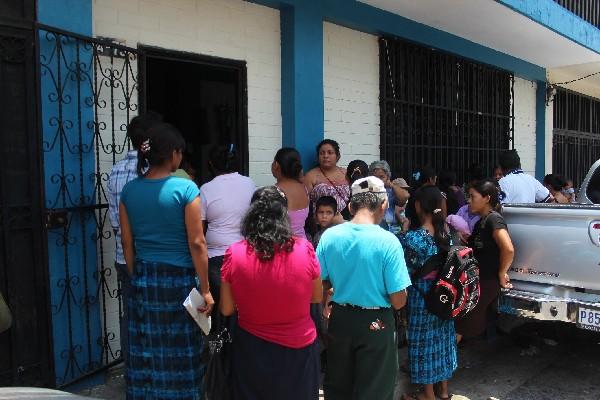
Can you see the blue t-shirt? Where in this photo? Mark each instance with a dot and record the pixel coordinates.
(156, 212)
(364, 263)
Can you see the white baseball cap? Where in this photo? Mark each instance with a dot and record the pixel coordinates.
(370, 184)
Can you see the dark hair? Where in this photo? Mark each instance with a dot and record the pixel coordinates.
(326, 201)
(446, 179)
(266, 225)
(289, 162)
(139, 125)
(488, 187)
(330, 142)
(223, 159)
(475, 173)
(368, 200)
(509, 160)
(430, 200)
(556, 182)
(356, 169)
(424, 174)
(161, 141)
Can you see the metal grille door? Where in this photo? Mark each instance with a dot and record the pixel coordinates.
(89, 92)
(441, 110)
(576, 134)
(25, 347)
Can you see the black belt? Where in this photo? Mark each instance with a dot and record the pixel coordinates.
(355, 307)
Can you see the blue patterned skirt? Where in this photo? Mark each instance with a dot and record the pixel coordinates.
(431, 340)
(165, 344)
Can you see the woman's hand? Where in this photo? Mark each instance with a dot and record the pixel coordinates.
(505, 281)
(210, 303)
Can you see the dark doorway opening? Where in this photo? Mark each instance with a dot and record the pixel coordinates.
(204, 97)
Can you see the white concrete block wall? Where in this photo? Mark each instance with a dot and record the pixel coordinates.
(223, 28)
(232, 29)
(525, 120)
(351, 92)
(549, 137)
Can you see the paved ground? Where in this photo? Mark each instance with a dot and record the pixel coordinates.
(535, 362)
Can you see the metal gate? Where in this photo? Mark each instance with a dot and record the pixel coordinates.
(25, 348)
(576, 134)
(441, 110)
(89, 92)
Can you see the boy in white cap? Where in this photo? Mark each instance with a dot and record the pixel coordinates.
(365, 266)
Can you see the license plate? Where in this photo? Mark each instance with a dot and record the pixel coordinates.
(588, 319)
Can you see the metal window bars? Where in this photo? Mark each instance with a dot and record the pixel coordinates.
(441, 110)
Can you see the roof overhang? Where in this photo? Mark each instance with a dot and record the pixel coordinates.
(531, 35)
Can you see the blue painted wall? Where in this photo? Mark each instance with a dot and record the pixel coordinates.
(302, 106)
(554, 17)
(67, 123)
(302, 52)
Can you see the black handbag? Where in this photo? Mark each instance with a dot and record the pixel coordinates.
(218, 380)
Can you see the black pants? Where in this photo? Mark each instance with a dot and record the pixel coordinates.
(214, 280)
(362, 358)
(267, 371)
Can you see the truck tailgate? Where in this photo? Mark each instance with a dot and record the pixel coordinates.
(555, 244)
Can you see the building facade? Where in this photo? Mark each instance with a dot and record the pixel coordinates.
(427, 82)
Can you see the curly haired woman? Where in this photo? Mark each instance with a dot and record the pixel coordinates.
(271, 277)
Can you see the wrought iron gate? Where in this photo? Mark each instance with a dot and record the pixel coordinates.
(25, 347)
(89, 92)
(576, 134)
(442, 110)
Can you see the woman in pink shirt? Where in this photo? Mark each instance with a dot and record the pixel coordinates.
(271, 277)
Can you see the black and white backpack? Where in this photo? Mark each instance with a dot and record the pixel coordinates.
(456, 288)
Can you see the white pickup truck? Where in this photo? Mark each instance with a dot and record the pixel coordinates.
(556, 270)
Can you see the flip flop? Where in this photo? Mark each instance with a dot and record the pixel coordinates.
(444, 398)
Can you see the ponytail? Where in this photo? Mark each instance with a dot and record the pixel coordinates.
(158, 146)
(430, 200)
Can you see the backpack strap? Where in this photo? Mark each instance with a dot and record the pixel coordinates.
(432, 264)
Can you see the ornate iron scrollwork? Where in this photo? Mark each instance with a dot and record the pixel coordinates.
(88, 97)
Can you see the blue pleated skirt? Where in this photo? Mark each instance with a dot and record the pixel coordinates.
(165, 344)
(431, 340)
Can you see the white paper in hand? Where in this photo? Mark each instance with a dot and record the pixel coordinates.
(192, 303)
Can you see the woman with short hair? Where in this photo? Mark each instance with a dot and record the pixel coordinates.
(222, 213)
(271, 278)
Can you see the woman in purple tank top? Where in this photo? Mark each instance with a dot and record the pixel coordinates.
(287, 169)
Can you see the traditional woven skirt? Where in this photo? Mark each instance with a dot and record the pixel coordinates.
(431, 340)
(165, 344)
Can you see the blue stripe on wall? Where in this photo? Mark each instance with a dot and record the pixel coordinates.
(70, 15)
(67, 114)
(558, 19)
(302, 106)
(365, 18)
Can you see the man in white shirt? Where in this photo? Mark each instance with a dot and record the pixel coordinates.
(517, 186)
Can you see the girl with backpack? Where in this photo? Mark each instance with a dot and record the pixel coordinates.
(494, 252)
(431, 340)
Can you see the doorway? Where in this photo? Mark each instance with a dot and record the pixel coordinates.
(204, 97)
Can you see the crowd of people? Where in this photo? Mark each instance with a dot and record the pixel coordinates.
(314, 268)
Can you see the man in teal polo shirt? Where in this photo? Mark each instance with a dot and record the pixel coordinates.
(364, 264)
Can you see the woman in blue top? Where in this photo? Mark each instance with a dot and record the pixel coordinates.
(431, 340)
(165, 250)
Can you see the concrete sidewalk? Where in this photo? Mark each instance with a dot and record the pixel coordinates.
(536, 362)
